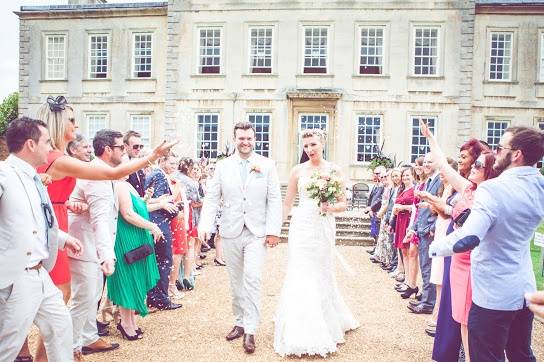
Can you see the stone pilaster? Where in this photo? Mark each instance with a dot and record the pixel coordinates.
(466, 58)
(24, 66)
(172, 61)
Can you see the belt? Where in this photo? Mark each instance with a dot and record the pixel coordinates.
(35, 267)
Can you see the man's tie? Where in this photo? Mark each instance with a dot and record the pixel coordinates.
(243, 170)
(428, 186)
(45, 206)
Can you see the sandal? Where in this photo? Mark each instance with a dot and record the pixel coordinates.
(24, 359)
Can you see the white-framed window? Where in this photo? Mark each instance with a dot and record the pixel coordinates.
(541, 72)
(540, 125)
(261, 122)
(495, 129)
(143, 55)
(419, 144)
(207, 135)
(500, 56)
(55, 60)
(95, 122)
(312, 121)
(141, 123)
(209, 59)
(260, 49)
(368, 136)
(316, 44)
(426, 50)
(371, 57)
(98, 55)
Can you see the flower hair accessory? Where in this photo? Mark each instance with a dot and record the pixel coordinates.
(255, 168)
(57, 104)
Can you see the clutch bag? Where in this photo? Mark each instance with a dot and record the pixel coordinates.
(140, 252)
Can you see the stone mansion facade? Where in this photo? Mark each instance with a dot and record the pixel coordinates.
(365, 71)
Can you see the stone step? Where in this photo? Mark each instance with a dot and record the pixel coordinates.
(350, 241)
(339, 232)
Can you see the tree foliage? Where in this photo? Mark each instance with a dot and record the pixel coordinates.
(9, 109)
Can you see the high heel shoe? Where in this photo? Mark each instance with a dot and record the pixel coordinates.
(408, 292)
(219, 263)
(139, 332)
(126, 335)
(187, 284)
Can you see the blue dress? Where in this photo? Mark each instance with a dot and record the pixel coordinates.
(447, 340)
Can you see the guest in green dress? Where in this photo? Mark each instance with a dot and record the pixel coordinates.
(129, 284)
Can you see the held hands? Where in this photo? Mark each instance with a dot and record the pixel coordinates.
(108, 267)
(74, 245)
(272, 240)
(169, 207)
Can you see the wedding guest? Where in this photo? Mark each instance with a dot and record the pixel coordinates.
(133, 278)
(447, 339)
(374, 203)
(80, 148)
(185, 171)
(402, 210)
(383, 234)
(96, 229)
(133, 145)
(424, 225)
(482, 169)
(391, 251)
(499, 229)
(29, 238)
(158, 296)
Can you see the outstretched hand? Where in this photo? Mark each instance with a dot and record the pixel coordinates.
(425, 131)
(163, 148)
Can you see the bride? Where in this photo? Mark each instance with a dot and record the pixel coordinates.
(312, 317)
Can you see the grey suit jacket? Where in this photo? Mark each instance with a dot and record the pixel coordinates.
(20, 216)
(425, 220)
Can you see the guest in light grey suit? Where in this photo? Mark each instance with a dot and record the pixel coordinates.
(251, 219)
(29, 238)
(96, 229)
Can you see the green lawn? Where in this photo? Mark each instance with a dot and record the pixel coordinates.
(537, 266)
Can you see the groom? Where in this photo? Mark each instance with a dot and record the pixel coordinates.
(251, 219)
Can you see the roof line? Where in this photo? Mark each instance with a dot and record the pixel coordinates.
(84, 7)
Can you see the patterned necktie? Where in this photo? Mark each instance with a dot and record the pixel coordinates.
(243, 170)
(428, 186)
(45, 206)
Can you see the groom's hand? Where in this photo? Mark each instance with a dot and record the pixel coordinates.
(272, 240)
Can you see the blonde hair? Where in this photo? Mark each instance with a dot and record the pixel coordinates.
(55, 123)
(315, 132)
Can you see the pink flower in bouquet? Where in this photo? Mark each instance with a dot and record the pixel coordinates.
(255, 168)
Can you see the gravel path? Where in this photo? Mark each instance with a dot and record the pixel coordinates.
(196, 332)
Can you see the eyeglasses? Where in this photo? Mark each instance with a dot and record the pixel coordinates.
(137, 147)
(499, 148)
(121, 147)
(478, 165)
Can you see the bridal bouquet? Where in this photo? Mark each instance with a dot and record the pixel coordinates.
(324, 187)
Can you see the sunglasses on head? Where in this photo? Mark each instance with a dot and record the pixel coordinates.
(478, 165)
(137, 147)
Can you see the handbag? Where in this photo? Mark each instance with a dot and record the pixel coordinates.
(462, 217)
(140, 252)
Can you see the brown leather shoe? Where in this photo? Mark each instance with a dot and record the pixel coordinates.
(236, 332)
(99, 346)
(249, 343)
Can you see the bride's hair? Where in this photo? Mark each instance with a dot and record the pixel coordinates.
(315, 132)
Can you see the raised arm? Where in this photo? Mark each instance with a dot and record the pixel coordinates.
(458, 182)
(69, 166)
(291, 192)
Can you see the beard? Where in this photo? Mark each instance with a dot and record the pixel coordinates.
(502, 164)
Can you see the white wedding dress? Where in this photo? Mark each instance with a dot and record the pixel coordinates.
(311, 317)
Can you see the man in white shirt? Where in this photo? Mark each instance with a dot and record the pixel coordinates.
(29, 238)
(96, 229)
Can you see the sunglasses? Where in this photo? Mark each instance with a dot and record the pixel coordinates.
(121, 147)
(478, 165)
(137, 147)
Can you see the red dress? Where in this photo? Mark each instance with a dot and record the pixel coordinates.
(461, 287)
(177, 226)
(59, 192)
(406, 197)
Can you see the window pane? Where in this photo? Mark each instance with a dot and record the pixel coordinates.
(142, 55)
(55, 57)
(495, 129)
(260, 53)
(368, 137)
(426, 51)
(142, 125)
(95, 122)
(315, 50)
(371, 59)
(98, 56)
(500, 56)
(210, 51)
(207, 135)
(420, 146)
(261, 122)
